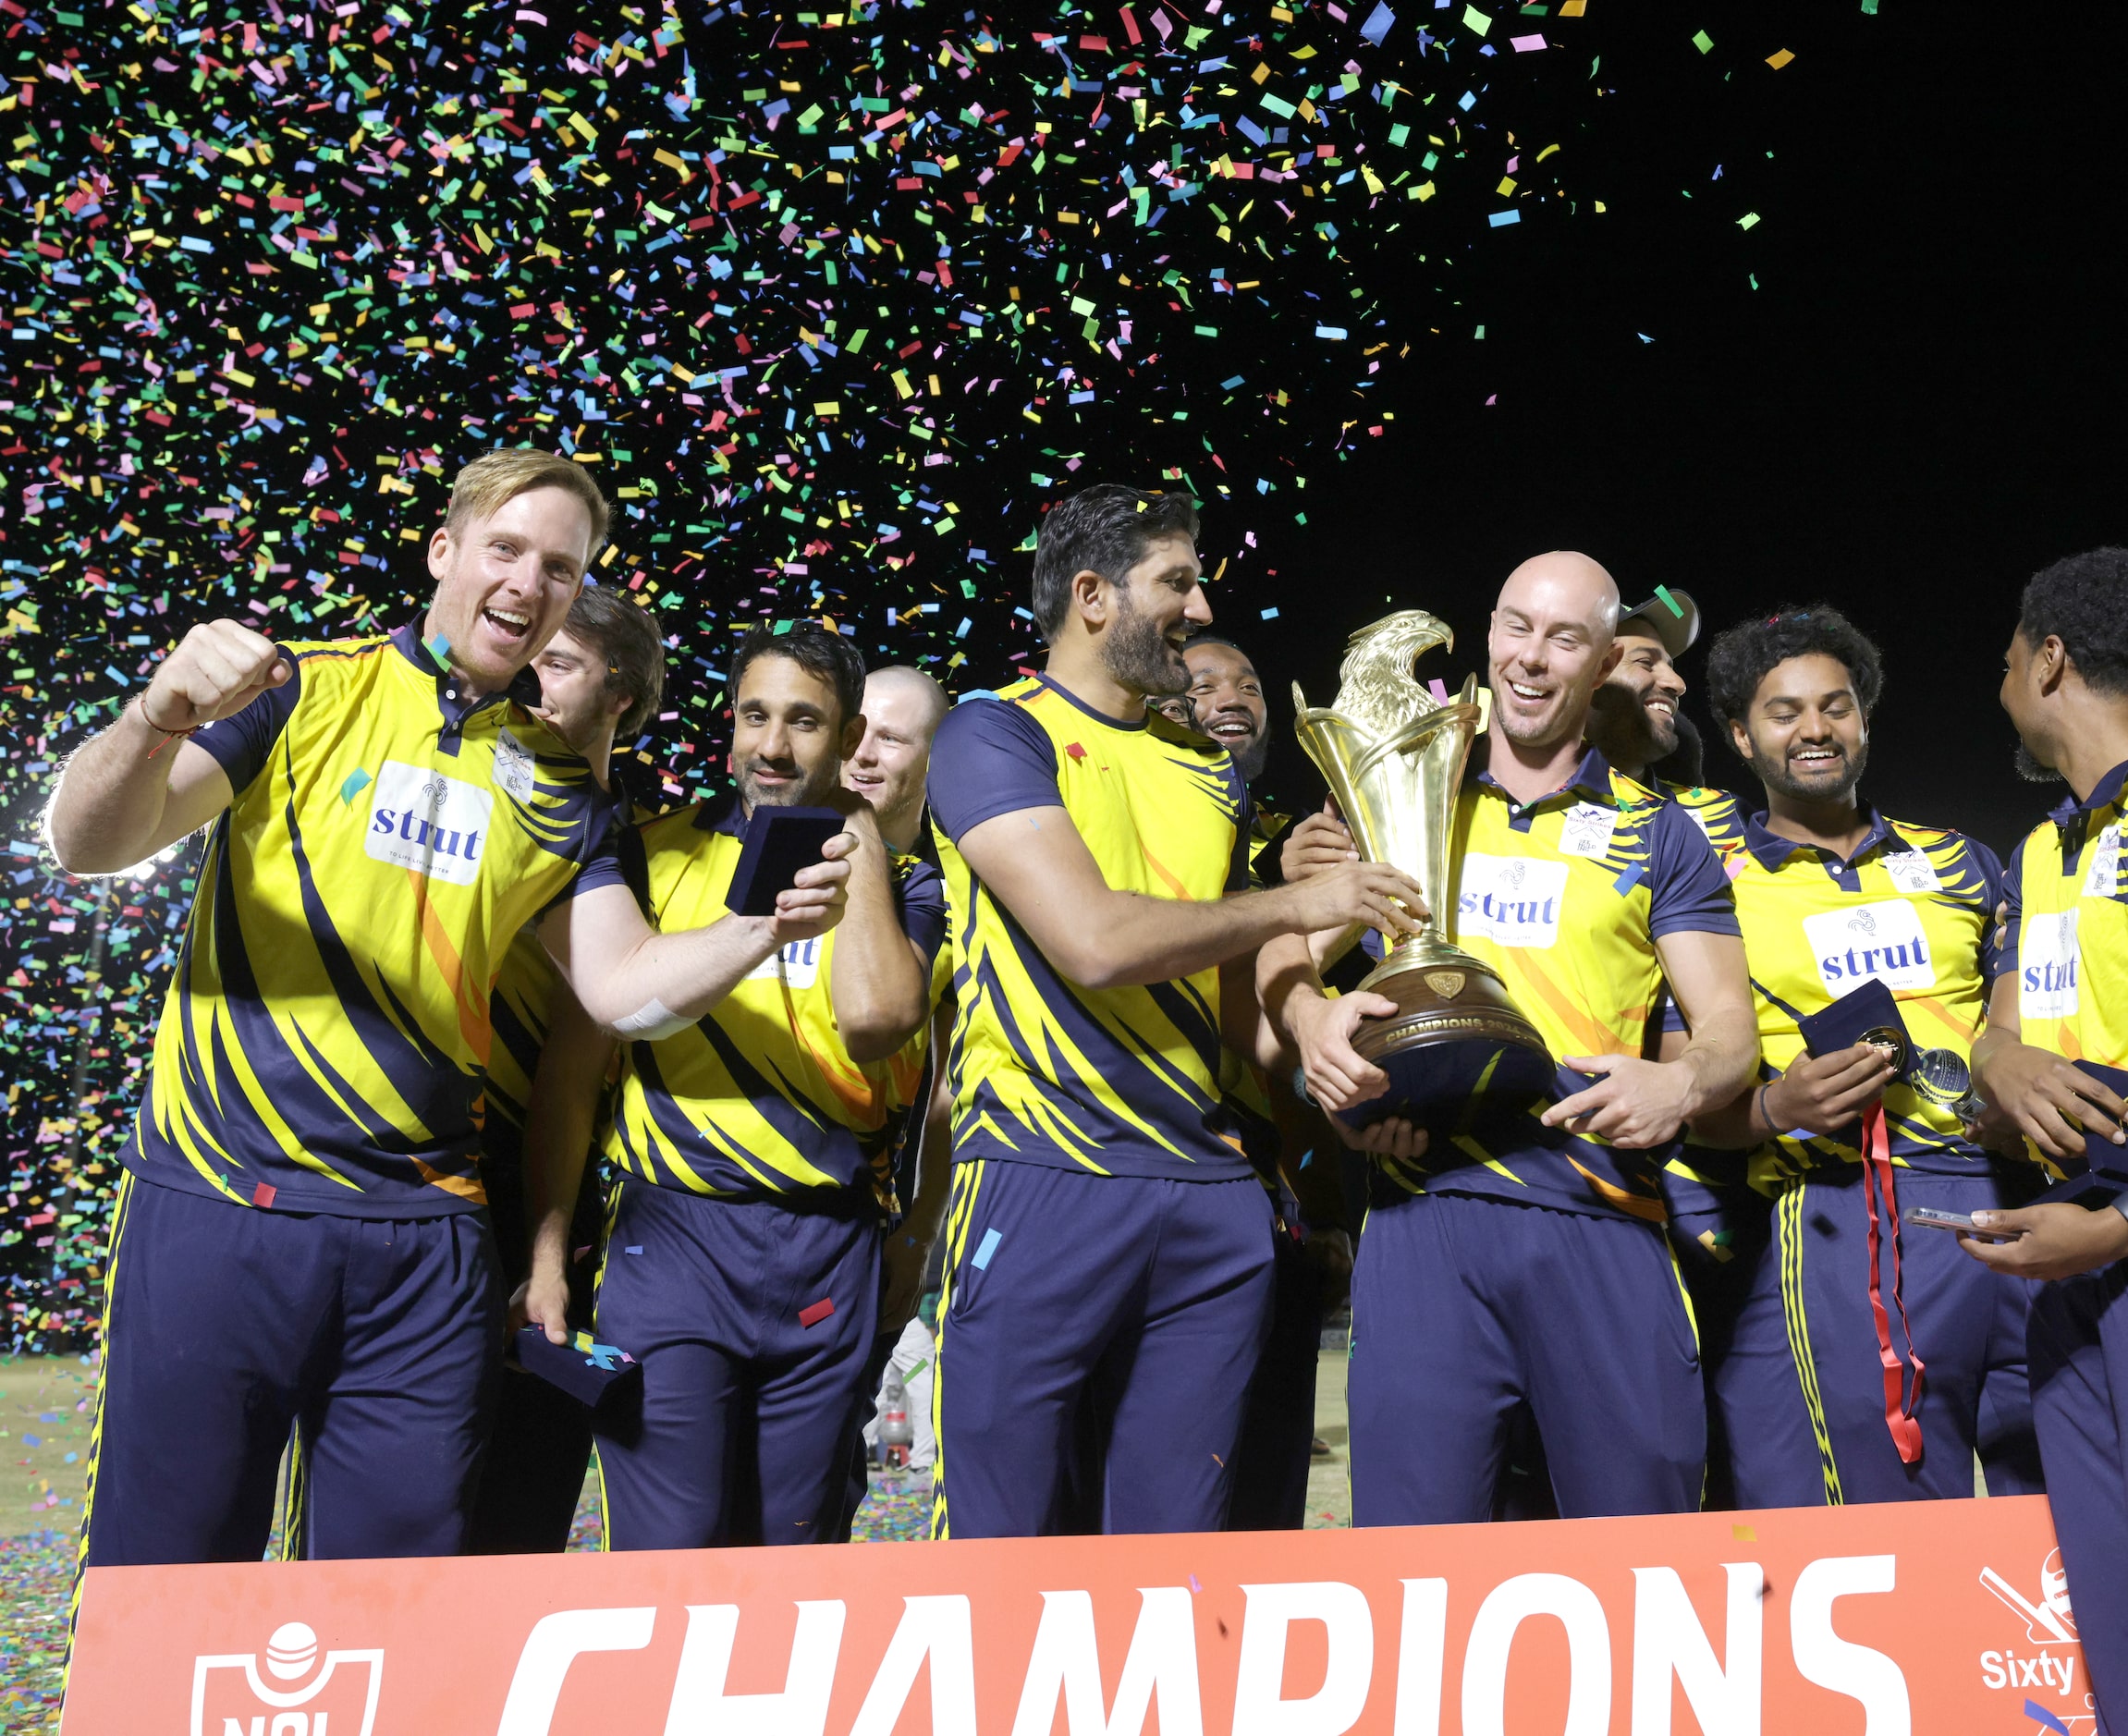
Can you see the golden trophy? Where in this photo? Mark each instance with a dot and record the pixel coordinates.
(1457, 1050)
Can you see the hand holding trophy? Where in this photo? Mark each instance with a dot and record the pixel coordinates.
(1456, 1051)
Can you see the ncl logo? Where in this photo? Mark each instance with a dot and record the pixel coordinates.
(298, 1695)
(434, 825)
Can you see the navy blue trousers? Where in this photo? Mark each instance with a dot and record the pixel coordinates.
(1802, 1387)
(1463, 1309)
(1273, 1454)
(1718, 1251)
(2079, 1347)
(1132, 1308)
(753, 1322)
(377, 1342)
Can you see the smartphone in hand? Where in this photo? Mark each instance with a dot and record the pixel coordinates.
(1928, 1217)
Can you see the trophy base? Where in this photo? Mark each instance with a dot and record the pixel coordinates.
(1460, 1055)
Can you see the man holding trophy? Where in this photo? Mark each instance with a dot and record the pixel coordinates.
(1519, 1255)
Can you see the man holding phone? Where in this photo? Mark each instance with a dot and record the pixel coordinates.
(2065, 994)
(742, 1265)
(1868, 1362)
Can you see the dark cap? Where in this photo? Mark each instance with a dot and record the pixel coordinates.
(1671, 616)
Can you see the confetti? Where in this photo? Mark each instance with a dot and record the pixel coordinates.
(833, 304)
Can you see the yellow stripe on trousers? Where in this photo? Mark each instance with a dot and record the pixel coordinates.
(959, 1215)
(1788, 1233)
(119, 1212)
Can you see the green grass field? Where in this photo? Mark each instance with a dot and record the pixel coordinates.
(46, 1403)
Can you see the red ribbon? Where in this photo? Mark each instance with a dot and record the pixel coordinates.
(1899, 1409)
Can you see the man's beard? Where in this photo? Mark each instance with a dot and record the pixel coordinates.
(1621, 728)
(1137, 655)
(2030, 769)
(1773, 774)
(1250, 762)
(810, 792)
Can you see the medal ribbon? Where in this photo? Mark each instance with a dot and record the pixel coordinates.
(1877, 1171)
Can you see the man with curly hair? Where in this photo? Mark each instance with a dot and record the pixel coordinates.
(1867, 1362)
(2063, 997)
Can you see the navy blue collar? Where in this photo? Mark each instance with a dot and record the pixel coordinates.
(1772, 849)
(1073, 700)
(523, 688)
(2105, 795)
(1592, 777)
(724, 814)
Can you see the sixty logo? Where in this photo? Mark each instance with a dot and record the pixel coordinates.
(436, 824)
(2043, 1659)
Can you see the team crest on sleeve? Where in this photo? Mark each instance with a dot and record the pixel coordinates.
(1911, 871)
(2103, 877)
(514, 772)
(1586, 830)
(422, 819)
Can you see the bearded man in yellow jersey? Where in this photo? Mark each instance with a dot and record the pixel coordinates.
(1525, 1263)
(1868, 1362)
(2064, 999)
(741, 1265)
(600, 676)
(1108, 1244)
(299, 1242)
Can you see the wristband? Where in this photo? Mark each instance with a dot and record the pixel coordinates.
(1759, 1108)
(168, 734)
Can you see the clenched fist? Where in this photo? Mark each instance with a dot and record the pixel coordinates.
(218, 669)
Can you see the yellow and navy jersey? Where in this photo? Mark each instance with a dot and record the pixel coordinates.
(521, 1011)
(2067, 889)
(1121, 1081)
(1267, 839)
(1913, 908)
(329, 1025)
(1699, 1179)
(1565, 897)
(758, 1098)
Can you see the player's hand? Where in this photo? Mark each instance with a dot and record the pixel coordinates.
(1320, 842)
(902, 1264)
(1825, 1093)
(1372, 894)
(1636, 1104)
(2039, 1091)
(2002, 922)
(1329, 1254)
(1391, 1137)
(814, 902)
(542, 1300)
(1993, 1131)
(218, 669)
(2058, 1239)
(1322, 1029)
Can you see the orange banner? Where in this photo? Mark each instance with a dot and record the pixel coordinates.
(1947, 1618)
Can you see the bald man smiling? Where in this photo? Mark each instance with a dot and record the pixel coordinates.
(1530, 1266)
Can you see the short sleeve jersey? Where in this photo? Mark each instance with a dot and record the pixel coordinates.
(2068, 887)
(326, 1034)
(1119, 1081)
(1913, 908)
(521, 1009)
(758, 1098)
(1565, 897)
(1699, 1179)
